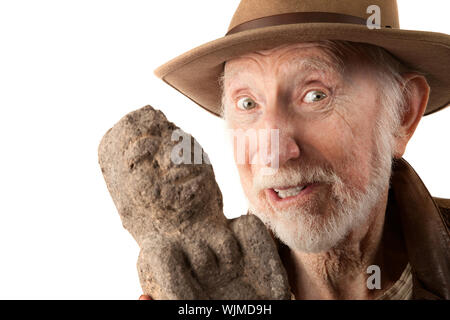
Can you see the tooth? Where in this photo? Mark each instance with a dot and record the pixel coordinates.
(289, 192)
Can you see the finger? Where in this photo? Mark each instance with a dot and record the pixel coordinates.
(145, 297)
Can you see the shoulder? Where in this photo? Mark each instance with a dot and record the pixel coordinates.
(444, 207)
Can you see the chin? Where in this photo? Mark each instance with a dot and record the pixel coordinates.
(310, 237)
(314, 228)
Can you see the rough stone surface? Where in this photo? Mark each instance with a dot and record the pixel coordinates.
(189, 250)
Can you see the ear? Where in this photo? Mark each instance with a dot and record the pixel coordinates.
(414, 108)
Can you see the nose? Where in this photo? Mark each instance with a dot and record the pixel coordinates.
(276, 141)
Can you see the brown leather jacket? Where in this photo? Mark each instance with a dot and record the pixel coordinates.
(424, 222)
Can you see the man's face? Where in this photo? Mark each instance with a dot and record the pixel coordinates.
(334, 165)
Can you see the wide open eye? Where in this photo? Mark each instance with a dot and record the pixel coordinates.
(314, 96)
(246, 103)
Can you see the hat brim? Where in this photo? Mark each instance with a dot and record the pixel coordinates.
(195, 73)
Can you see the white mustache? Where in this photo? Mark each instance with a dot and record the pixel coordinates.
(293, 176)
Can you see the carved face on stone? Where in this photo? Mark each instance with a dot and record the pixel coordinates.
(135, 156)
(154, 179)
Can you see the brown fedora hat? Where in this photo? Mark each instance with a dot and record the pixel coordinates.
(264, 24)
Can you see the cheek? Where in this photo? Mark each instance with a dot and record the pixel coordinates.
(346, 146)
(357, 162)
(246, 177)
(244, 146)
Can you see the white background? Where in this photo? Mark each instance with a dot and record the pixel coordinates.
(69, 70)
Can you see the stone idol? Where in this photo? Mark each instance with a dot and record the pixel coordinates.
(189, 249)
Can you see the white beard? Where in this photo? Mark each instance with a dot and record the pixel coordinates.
(303, 228)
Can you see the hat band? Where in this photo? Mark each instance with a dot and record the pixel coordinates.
(297, 17)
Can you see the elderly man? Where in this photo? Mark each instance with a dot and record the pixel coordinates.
(345, 94)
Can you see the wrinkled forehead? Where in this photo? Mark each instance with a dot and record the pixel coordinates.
(305, 56)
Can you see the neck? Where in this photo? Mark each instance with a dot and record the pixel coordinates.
(341, 273)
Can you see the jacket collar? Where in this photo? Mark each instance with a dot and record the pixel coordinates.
(425, 233)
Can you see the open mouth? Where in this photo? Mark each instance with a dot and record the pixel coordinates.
(290, 193)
